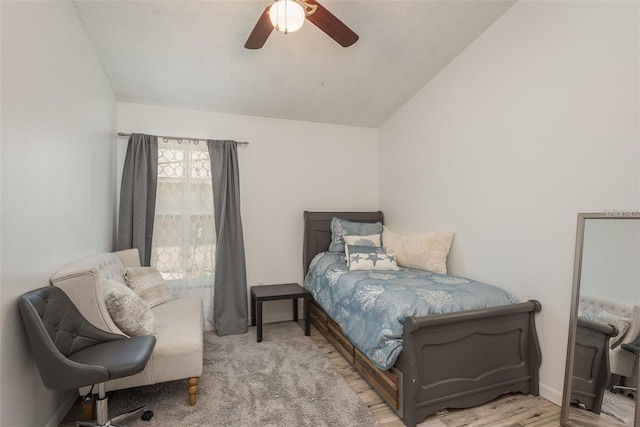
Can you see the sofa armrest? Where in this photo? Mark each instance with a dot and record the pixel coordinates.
(84, 288)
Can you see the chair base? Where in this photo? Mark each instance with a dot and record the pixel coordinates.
(627, 391)
(112, 422)
(102, 412)
(624, 388)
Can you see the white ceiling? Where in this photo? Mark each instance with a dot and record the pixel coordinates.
(191, 54)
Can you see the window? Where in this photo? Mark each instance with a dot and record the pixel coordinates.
(184, 231)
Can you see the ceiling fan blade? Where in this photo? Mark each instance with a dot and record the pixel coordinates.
(331, 25)
(260, 32)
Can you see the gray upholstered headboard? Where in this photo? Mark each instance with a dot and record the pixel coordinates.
(317, 231)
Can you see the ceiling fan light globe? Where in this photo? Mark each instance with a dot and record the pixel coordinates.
(286, 16)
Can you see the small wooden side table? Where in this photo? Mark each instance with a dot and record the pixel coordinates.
(291, 291)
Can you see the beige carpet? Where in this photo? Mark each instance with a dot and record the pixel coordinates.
(619, 406)
(283, 381)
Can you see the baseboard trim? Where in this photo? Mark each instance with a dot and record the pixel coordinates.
(551, 394)
(63, 409)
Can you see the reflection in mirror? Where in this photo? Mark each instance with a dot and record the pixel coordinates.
(602, 355)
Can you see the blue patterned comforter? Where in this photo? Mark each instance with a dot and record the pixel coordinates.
(370, 306)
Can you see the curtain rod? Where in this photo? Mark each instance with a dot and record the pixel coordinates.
(178, 138)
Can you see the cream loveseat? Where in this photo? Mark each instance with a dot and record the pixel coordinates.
(178, 353)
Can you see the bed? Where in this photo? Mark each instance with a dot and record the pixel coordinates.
(453, 360)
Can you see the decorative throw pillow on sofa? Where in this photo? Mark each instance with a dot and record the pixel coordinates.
(127, 310)
(149, 284)
(621, 323)
(634, 329)
(427, 251)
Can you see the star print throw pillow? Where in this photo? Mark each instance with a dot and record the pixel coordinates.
(373, 240)
(372, 261)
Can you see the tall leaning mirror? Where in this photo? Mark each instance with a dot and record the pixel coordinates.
(601, 373)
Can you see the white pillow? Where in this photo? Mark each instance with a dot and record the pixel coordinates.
(149, 284)
(372, 261)
(426, 251)
(371, 240)
(127, 310)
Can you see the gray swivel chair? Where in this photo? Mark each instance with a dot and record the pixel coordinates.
(71, 353)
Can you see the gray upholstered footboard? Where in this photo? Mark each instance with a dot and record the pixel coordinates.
(467, 358)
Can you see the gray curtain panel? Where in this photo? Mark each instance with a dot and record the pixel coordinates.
(138, 195)
(230, 311)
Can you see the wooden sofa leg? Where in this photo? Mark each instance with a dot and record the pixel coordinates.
(193, 389)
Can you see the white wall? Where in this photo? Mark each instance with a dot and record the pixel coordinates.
(57, 180)
(287, 168)
(535, 121)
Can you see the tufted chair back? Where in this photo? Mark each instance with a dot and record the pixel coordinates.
(56, 330)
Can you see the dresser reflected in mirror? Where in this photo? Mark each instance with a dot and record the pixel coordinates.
(601, 372)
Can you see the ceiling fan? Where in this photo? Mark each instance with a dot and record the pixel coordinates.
(288, 16)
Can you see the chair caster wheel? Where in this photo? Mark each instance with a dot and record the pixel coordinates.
(147, 415)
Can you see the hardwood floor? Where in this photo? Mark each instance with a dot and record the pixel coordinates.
(511, 410)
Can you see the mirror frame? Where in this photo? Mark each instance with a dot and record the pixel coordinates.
(575, 300)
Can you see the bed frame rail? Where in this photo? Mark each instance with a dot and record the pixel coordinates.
(464, 359)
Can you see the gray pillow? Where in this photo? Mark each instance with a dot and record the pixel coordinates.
(341, 227)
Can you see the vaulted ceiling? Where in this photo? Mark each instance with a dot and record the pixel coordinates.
(191, 54)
